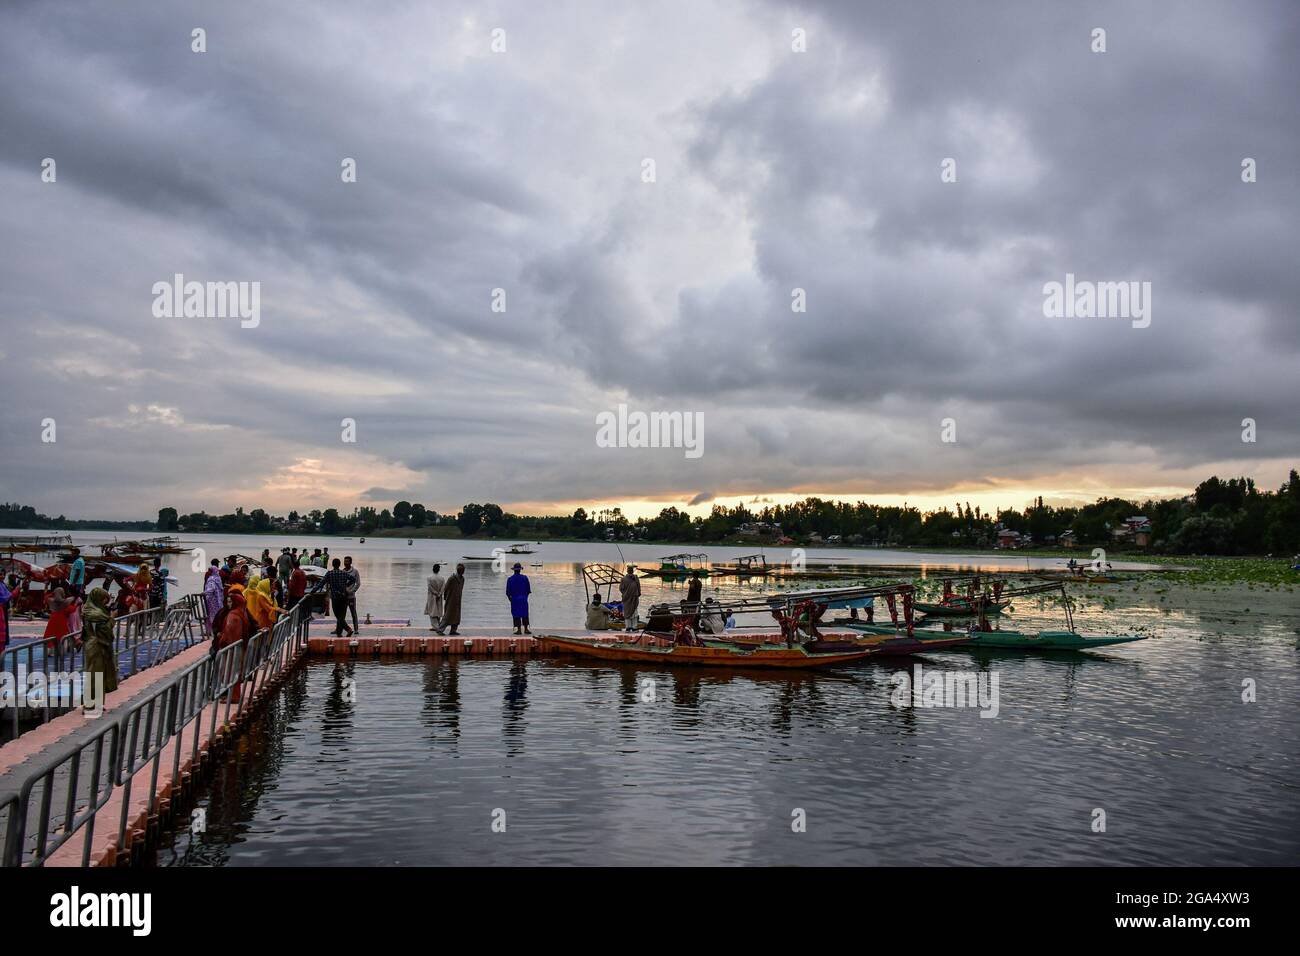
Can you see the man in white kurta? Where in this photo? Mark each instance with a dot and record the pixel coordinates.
(433, 602)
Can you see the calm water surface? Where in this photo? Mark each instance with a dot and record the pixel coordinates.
(1153, 733)
(710, 772)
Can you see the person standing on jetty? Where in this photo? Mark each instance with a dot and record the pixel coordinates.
(284, 565)
(433, 600)
(214, 595)
(629, 588)
(336, 583)
(97, 639)
(518, 588)
(354, 573)
(77, 576)
(451, 595)
(61, 609)
(297, 584)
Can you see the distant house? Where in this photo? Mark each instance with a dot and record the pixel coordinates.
(1008, 538)
(1139, 527)
(759, 529)
(833, 539)
(815, 536)
(1067, 540)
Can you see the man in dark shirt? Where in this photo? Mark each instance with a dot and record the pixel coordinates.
(297, 584)
(337, 582)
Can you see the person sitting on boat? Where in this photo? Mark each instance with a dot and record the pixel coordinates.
(597, 615)
(711, 619)
(660, 620)
(868, 605)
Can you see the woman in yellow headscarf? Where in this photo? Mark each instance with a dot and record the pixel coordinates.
(97, 638)
(261, 606)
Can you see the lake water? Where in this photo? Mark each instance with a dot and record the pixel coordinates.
(587, 769)
(394, 573)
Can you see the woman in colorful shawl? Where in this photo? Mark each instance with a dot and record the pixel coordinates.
(261, 606)
(97, 638)
(213, 596)
(236, 627)
(140, 586)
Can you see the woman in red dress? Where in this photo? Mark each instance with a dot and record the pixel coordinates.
(61, 609)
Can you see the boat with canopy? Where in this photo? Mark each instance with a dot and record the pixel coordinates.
(698, 633)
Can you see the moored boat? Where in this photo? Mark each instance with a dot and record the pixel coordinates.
(708, 653)
(958, 607)
(672, 566)
(1047, 640)
(705, 633)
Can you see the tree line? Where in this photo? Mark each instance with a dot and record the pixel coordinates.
(1221, 516)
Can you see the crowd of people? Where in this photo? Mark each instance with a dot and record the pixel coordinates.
(72, 610)
(242, 597)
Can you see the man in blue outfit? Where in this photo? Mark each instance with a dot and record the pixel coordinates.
(518, 589)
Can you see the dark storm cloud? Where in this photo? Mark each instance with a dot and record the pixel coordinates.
(521, 171)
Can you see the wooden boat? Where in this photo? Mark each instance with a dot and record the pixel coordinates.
(982, 634)
(518, 549)
(708, 653)
(140, 551)
(958, 607)
(888, 641)
(748, 565)
(1011, 640)
(1047, 640)
(36, 544)
(674, 566)
(1082, 577)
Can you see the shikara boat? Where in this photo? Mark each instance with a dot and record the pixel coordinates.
(1047, 640)
(958, 607)
(35, 544)
(748, 566)
(708, 653)
(1079, 577)
(705, 634)
(1011, 640)
(674, 566)
(981, 634)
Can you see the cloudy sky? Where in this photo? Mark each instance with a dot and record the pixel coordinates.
(523, 170)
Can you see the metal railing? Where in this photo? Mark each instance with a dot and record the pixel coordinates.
(219, 687)
(146, 638)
